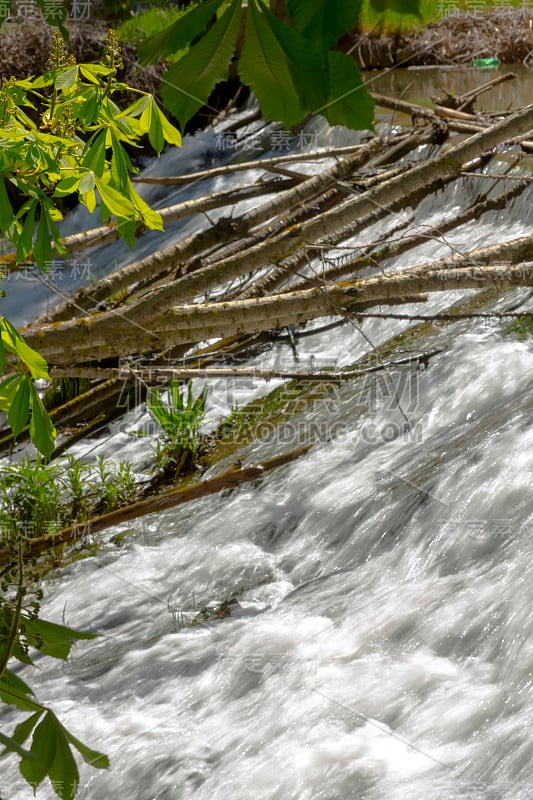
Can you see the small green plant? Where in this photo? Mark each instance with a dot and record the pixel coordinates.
(76, 476)
(234, 423)
(30, 499)
(180, 419)
(523, 327)
(115, 485)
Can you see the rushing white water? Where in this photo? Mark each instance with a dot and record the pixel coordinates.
(381, 646)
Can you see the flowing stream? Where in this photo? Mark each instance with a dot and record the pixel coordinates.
(380, 645)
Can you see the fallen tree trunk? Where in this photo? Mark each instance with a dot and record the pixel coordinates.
(424, 178)
(162, 261)
(95, 339)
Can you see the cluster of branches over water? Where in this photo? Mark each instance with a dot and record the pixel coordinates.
(208, 295)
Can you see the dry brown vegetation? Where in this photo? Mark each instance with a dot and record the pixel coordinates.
(455, 39)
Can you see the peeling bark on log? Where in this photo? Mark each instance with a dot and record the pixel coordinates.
(108, 336)
(424, 177)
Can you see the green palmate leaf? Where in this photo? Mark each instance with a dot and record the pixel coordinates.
(63, 773)
(12, 746)
(120, 165)
(14, 691)
(188, 83)
(87, 183)
(127, 229)
(88, 111)
(42, 432)
(91, 757)
(264, 67)
(43, 750)
(95, 155)
(171, 134)
(66, 78)
(25, 241)
(349, 103)
(20, 406)
(52, 639)
(93, 72)
(305, 61)
(179, 34)
(7, 387)
(136, 108)
(42, 249)
(400, 6)
(151, 218)
(89, 200)
(14, 343)
(115, 202)
(67, 185)
(23, 730)
(150, 121)
(6, 211)
(324, 21)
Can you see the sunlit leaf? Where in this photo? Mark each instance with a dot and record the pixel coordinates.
(151, 218)
(14, 342)
(115, 202)
(67, 185)
(89, 200)
(66, 78)
(95, 156)
(87, 183)
(171, 134)
(150, 122)
(93, 72)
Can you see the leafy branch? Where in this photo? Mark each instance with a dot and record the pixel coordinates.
(290, 64)
(75, 148)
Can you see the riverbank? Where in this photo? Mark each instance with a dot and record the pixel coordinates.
(453, 40)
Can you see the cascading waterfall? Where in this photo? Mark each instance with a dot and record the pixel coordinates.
(379, 645)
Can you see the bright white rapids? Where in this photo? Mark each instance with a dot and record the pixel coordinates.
(382, 647)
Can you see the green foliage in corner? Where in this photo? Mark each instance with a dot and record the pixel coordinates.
(291, 66)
